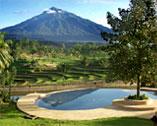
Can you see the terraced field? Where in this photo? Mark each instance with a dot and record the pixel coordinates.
(29, 72)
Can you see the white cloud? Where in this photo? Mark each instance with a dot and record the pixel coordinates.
(20, 12)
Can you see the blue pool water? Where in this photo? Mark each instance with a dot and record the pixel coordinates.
(86, 99)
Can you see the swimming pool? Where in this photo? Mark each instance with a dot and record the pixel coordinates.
(86, 98)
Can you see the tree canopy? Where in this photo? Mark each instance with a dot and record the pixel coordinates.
(132, 44)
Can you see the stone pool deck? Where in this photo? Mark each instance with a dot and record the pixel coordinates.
(27, 105)
(149, 89)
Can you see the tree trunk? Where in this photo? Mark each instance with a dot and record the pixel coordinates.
(138, 85)
(155, 124)
(10, 92)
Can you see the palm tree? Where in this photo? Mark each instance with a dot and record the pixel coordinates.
(5, 61)
(5, 57)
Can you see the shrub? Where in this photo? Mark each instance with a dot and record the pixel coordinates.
(4, 96)
(134, 97)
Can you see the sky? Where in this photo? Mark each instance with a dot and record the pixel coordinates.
(13, 12)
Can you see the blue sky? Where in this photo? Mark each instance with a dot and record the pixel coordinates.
(15, 11)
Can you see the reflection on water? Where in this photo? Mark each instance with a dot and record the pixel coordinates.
(85, 99)
(154, 93)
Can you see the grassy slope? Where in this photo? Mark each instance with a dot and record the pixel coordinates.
(10, 116)
(26, 74)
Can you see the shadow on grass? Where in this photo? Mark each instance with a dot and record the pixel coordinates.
(126, 121)
(9, 111)
(106, 122)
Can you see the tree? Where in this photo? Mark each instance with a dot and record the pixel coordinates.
(5, 57)
(6, 75)
(10, 77)
(6, 80)
(63, 68)
(132, 43)
(84, 62)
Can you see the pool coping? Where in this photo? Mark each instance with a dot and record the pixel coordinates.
(27, 104)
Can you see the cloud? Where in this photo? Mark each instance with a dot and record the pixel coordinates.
(18, 12)
(25, 12)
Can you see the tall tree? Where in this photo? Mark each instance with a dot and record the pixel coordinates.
(133, 41)
(5, 57)
(5, 61)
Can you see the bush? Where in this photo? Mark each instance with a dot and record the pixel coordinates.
(4, 96)
(134, 97)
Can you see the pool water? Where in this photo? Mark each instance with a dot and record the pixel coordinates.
(86, 99)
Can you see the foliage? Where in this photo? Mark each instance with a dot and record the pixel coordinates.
(84, 62)
(134, 97)
(5, 61)
(6, 80)
(4, 96)
(5, 57)
(32, 47)
(62, 67)
(55, 64)
(7, 68)
(132, 45)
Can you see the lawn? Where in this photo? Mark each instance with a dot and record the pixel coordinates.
(10, 116)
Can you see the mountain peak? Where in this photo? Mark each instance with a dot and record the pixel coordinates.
(53, 10)
(56, 9)
(57, 25)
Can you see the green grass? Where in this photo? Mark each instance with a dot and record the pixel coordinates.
(10, 116)
(34, 71)
(76, 73)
